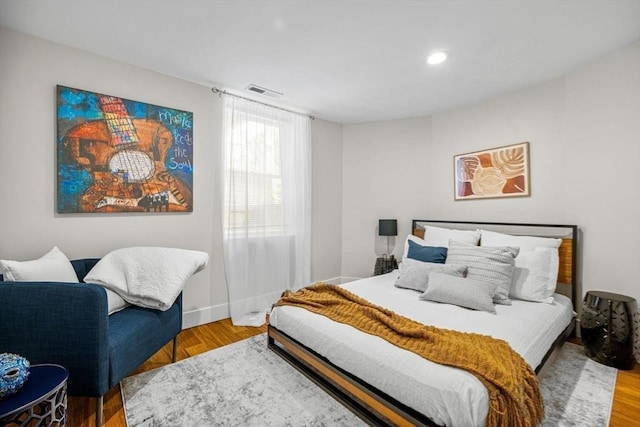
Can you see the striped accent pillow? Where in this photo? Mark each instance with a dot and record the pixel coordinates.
(487, 264)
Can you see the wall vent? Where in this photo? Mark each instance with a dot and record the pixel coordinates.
(263, 91)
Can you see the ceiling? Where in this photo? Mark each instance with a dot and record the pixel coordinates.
(346, 61)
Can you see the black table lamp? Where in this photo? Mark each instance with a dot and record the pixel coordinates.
(388, 227)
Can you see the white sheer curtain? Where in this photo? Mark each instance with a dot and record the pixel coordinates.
(267, 206)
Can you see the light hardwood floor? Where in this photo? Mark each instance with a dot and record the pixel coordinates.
(81, 411)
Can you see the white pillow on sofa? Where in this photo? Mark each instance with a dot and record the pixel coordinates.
(115, 302)
(53, 266)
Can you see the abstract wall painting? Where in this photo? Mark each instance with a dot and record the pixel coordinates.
(118, 155)
(492, 173)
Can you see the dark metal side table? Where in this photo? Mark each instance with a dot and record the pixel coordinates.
(385, 264)
(42, 400)
(606, 327)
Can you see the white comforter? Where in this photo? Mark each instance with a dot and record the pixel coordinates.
(448, 396)
(151, 277)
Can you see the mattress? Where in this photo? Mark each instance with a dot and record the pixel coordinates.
(448, 396)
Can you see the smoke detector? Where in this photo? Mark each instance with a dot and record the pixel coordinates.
(263, 91)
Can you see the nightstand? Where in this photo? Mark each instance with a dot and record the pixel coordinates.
(385, 264)
(606, 327)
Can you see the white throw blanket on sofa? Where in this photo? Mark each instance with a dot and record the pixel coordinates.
(151, 277)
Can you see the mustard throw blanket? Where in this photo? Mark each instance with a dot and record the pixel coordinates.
(514, 395)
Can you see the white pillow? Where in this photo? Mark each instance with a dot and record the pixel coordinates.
(525, 243)
(53, 266)
(115, 302)
(437, 236)
(151, 277)
(535, 275)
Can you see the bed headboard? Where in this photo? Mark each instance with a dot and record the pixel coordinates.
(568, 250)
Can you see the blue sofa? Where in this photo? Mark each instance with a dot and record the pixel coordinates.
(68, 324)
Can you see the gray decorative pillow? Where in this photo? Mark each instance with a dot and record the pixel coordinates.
(463, 292)
(415, 274)
(487, 264)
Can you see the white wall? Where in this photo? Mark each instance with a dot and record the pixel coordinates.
(385, 176)
(534, 114)
(602, 178)
(30, 69)
(326, 200)
(584, 135)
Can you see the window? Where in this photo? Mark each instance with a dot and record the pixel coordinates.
(266, 165)
(253, 176)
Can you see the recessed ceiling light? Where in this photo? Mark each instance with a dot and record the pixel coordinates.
(437, 58)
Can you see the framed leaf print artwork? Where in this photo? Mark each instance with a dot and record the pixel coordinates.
(492, 173)
(118, 155)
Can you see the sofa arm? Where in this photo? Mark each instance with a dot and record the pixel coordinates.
(63, 323)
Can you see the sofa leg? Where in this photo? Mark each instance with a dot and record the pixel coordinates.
(175, 349)
(99, 411)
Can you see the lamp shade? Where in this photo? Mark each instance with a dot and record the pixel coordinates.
(388, 227)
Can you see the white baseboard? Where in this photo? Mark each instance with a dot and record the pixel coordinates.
(204, 315)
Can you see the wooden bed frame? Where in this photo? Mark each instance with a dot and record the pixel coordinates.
(376, 407)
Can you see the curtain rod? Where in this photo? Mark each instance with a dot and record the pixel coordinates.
(224, 92)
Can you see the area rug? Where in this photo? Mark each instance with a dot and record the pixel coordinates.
(577, 391)
(246, 384)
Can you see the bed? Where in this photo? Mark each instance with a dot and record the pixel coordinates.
(384, 384)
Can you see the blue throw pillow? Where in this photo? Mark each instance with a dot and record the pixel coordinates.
(427, 253)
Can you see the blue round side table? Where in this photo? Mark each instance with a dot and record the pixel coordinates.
(42, 400)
